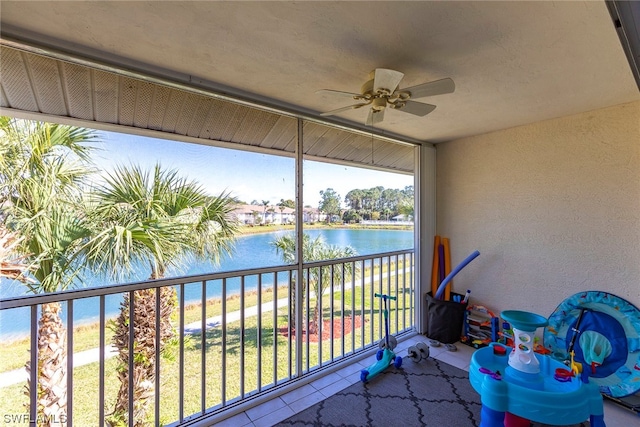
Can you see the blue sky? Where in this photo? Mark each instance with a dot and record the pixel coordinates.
(248, 176)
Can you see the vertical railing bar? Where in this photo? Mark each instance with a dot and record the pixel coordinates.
(389, 275)
(132, 302)
(372, 285)
(242, 326)
(307, 315)
(33, 380)
(411, 290)
(181, 362)
(380, 319)
(203, 347)
(401, 290)
(69, 363)
(404, 297)
(275, 336)
(390, 280)
(391, 303)
(397, 291)
(353, 306)
(389, 291)
(362, 298)
(101, 360)
(331, 310)
(413, 287)
(342, 310)
(275, 328)
(259, 332)
(156, 399)
(319, 324)
(408, 285)
(223, 336)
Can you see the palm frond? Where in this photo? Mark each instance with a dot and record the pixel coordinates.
(12, 264)
(43, 168)
(167, 217)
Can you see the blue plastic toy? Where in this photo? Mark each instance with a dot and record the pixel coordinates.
(604, 332)
(385, 356)
(524, 386)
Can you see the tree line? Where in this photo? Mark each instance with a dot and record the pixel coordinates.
(377, 203)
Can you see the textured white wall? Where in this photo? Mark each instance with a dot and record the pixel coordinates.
(553, 208)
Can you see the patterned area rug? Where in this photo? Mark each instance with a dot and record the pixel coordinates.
(427, 393)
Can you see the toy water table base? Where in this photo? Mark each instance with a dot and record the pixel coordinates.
(528, 389)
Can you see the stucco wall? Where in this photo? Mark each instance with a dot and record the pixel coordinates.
(553, 208)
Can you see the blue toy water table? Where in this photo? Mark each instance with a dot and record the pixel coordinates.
(517, 386)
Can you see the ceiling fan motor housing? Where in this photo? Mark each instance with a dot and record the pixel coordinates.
(379, 103)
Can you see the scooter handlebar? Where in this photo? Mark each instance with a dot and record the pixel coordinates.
(385, 297)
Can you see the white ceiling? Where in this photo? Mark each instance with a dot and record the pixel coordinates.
(513, 62)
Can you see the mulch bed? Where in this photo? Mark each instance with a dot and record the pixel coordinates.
(349, 327)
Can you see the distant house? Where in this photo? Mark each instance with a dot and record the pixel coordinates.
(284, 215)
(312, 215)
(257, 214)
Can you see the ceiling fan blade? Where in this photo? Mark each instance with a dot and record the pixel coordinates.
(375, 116)
(338, 93)
(437, 87)
(340, 110)
(417, 108)
(386, 79)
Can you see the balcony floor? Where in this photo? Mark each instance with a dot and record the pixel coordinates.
(286, 405)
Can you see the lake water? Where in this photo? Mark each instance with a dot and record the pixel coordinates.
(250, 251)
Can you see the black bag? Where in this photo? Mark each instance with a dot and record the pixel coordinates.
(445, 319)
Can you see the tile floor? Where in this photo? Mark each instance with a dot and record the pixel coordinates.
(282, 407)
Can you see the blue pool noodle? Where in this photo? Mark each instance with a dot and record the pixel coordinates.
(455, 271)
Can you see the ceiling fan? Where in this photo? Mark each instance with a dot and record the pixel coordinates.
(381, 91)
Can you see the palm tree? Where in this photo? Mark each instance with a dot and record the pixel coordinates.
(286, 246)
(320, 278)
(323, 277)
(158, 219)
(42, 168)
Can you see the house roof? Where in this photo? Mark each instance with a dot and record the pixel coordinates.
(249, 209)
(513, 63)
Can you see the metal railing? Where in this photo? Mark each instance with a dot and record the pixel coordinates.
(236, 334)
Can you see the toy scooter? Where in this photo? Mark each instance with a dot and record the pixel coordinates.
(385, 356)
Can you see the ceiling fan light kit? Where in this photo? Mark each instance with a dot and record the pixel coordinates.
(381, 91)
